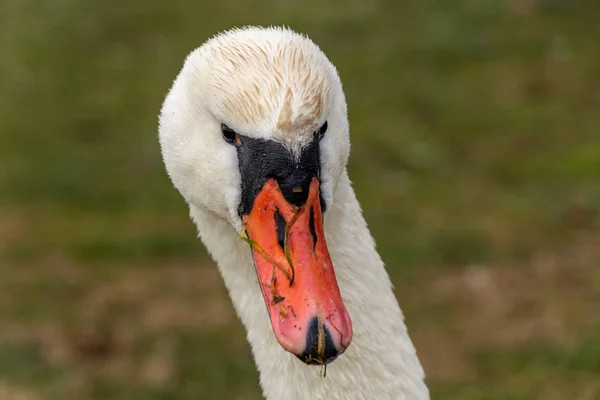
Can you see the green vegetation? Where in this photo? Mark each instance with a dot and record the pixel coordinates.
(476, 157)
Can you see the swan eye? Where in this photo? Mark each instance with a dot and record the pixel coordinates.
(229, 135)
(321, 132)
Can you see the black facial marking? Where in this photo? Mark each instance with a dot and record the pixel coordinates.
(280, 223)
(311, 227)
(260, 160)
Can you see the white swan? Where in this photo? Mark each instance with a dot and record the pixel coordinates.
(254, 135)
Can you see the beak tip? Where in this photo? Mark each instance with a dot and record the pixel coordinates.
(320, 345)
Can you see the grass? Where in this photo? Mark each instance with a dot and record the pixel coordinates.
(475, 154)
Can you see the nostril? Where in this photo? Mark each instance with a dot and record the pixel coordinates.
(280, 224)
(295, 187)
(311, 226)
(328, 352)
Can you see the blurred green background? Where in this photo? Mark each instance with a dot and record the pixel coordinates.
(476, 156)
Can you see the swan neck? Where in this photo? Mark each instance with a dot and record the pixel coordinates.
(381, 361)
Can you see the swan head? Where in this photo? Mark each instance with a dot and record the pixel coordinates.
(255, 131)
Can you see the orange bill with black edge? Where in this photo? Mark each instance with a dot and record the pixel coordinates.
(296, 275)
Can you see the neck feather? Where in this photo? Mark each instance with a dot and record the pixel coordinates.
(381, 362)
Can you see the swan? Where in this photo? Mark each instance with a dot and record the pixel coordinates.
(254, 134)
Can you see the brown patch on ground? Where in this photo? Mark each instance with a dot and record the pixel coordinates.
(15, 393)
(12, 227)
(97, 334)
(549, 300)
(144, 302)
(164, 298)
(158, 366)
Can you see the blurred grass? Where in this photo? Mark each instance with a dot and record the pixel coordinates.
(475, 154)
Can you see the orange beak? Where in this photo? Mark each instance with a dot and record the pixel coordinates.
(296, 275)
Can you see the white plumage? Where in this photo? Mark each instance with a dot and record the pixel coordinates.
(275, 84)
